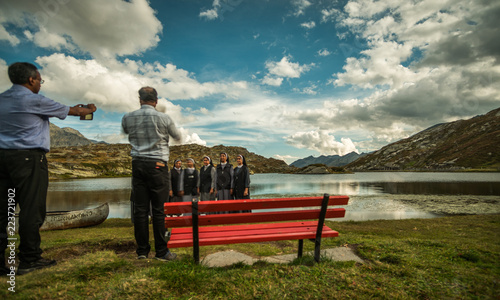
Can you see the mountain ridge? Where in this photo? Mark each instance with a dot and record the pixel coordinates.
(328, 160)
(66, 136)
(463, 144)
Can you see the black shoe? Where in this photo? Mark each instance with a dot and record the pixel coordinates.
(167, 257)
(25, 267)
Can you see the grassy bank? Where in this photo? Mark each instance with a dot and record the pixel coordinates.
(449, 257)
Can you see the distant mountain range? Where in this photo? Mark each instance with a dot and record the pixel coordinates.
(328, 160)
(64, 137)
(68, 137)
(463, 144)
(111, 160)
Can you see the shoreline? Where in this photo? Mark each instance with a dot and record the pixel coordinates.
(67, 177)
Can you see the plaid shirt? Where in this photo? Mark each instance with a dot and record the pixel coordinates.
(148, 132)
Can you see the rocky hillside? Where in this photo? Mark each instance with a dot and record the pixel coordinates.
(327, 160)
(62, 137)
(106, 160)
(463, 144)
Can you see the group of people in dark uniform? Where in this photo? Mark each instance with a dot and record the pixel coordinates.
(210, 183)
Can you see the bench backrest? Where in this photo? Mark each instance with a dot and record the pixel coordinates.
(277, 209)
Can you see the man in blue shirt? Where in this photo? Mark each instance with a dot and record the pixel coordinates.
(24, 140)
(148, 132)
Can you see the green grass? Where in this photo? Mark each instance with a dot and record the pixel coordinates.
(451, 257)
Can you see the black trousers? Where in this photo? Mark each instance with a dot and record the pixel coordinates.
(150, 189)
(24, 173)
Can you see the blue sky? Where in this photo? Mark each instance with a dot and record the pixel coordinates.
(284, 78)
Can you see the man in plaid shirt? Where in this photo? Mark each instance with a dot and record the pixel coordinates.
(148, 132)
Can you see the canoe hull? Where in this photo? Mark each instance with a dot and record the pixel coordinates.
(74, 219)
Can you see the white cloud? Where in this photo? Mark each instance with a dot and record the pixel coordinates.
(381, 65)
(310, 90)
(4, 77)
(308, 25)
(286, 158)
(192, 138)
(58, 24)
(46, 39)
(284, 69)
(4, 35)
(114, 86)
(219, 8)
(322, 142)
(329, 14)
(300, 6)
(422, 63)
(210, 14)
(324, 52)
(270, 80)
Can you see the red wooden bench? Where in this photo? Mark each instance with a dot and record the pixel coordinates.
(199, 229)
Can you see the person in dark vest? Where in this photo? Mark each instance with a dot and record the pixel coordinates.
(175, 174)
(241, 188)
(241, 180)
(189, 183)
(224, 178)
(207, 180)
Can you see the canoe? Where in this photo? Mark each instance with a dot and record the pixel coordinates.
(56, 220)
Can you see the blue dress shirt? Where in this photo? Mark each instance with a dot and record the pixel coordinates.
(24, 118)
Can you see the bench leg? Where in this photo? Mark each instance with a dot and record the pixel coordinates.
(317, 250)
(301, 248)
(196, 236)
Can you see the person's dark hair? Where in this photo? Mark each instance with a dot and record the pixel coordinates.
(20, 72)
(148, 94)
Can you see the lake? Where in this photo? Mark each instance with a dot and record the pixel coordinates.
(369, 191)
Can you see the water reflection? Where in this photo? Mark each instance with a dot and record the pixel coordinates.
(118, 200)
(441, 188)
(368, 191)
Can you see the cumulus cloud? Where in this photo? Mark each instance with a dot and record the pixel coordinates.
(322, 142)
(210, 14)
(271, 80)
(219, 7)
(50, 40)
(189, 138)
(324, 52)
(300, 6)
(4, 77)
(4, 35)
(115, 87)
(286, 158)
(329, 14)
(421, 63)
(58, 24)
(308, 25)
(310, 90)
(284, 68)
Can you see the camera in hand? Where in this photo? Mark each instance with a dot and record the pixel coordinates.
(88, 117)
